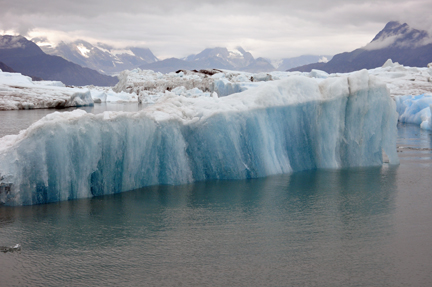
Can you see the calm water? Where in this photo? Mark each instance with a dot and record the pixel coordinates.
(351, 227)
(11, 122)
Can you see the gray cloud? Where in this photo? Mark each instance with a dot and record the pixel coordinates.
(272, 28)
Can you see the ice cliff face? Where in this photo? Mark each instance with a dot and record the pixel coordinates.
(282, 126)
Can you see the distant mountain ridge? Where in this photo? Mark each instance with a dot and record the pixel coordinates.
(26, 57)
(237, 59)
(214, 58)
(101, 57)
(399, 42)
(108, 60)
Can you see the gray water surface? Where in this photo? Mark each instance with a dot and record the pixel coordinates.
(349, 227)
(11, 122)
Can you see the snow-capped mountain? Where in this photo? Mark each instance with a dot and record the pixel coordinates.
(214, 58)
(237, 58)
(26, 57)
(101, 57)
(399, 42)
(109, 60)
(397, 35)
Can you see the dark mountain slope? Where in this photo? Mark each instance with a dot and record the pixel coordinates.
(6, 68)
(399, 42)
(27, 58)
(102, 57)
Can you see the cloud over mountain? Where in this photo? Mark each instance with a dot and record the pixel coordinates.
(271, 29)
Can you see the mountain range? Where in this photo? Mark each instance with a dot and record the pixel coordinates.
(100, 57)
(236, 59)
(111, 61)
(399, 42)
(26, 57)
(81, 63)
(213, 58)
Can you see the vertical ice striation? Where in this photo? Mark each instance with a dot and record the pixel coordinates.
(282, 126)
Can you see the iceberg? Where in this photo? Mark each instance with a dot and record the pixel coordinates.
(411, 89)
(107, 95)
(20, 92)
(146, 86)
(297, 123)
(5, 249)
(415, 110)
(151, 86)
(403, 80)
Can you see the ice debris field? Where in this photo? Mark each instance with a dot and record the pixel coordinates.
(410, 87)
(200, 125)
(18, 92)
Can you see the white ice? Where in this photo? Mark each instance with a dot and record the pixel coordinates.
(293, 124)
(403, 80)
(20, 92)
(415, 110)
(411, 88)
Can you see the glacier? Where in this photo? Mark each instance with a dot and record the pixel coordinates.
(297, 123)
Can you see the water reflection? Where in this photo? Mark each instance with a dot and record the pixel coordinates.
(350, 227)
(303, 227)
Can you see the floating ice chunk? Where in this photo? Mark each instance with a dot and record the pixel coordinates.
(223, 87)
(388, 63)
(262, 77)
(98, 96)
(415, 110)
(5, 249)
(403, 80)
(51, 83)
(318, 74)
(427, 120)
(278, 127)
(20, 92)
(103, 94)
(242, 78)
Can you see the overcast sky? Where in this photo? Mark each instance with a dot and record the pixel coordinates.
(177, 28)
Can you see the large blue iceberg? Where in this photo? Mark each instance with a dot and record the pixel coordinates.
(415, 110)
(283, 126)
